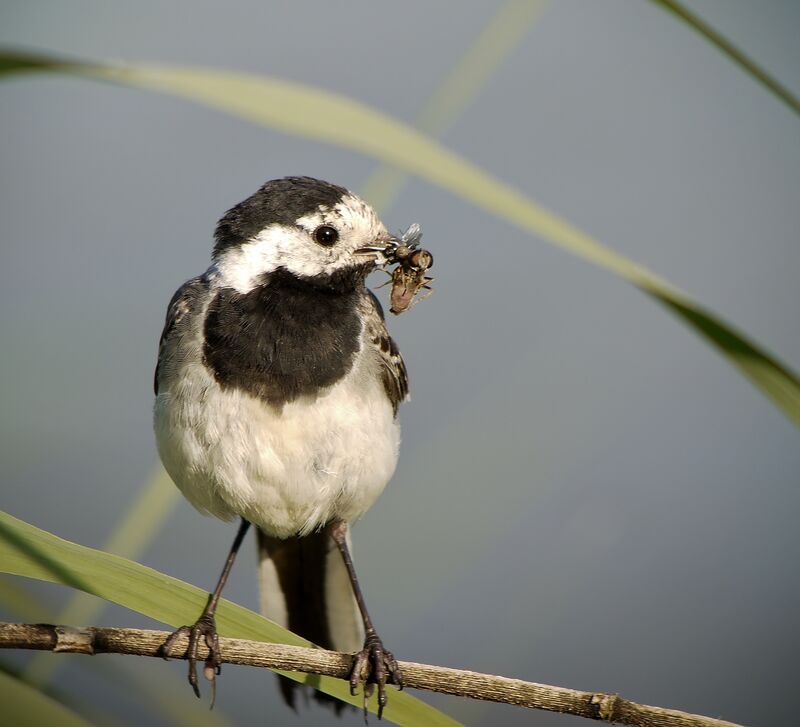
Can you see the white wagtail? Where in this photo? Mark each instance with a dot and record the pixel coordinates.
(277, 388)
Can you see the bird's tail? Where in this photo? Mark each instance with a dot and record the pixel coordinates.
(305, 587)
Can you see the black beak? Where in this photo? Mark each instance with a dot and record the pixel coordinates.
(377, 253)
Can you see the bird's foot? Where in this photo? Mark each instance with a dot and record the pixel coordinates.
(206, 629)
(374, 665)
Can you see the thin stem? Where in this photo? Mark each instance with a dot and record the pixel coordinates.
(592, 705)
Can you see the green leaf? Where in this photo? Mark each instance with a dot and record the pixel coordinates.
(144, 517)
(729, 49)
(25, 706)
(154, 690)
(319, 114)
(85, 709)
(28, 551)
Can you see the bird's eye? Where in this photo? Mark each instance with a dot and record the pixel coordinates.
(326, 235)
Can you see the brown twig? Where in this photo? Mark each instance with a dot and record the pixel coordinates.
(593, 705)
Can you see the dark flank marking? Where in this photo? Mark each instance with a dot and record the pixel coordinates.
(287, 338)
(186, 299)
(393, 370)
(281, 201)
(395, 378)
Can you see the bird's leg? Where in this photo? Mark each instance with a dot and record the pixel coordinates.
(380, 664)
(206, 627)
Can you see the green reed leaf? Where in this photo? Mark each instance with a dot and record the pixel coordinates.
(25, 550)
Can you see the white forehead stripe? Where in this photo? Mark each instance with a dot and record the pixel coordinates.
(314, 220)
(354, 212)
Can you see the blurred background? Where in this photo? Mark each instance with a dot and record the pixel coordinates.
(587, 494)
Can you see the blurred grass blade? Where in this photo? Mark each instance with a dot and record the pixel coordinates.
(730, 50)
(153, 504)
(465, 81)
(306, 111)
(25, 706)
(143, 518)
(20, 603)
(85, 709)
(28, 551)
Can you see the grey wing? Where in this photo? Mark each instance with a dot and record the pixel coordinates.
(187, 298)
(393, 369)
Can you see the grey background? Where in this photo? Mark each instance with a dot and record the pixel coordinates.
(587, 495)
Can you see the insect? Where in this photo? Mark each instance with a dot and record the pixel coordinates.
(409, 277)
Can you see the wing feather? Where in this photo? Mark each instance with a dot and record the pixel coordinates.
(185, 301)
(393, 369)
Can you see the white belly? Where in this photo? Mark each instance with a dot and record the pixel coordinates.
(287, 472)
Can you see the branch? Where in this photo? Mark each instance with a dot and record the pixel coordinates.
(593, 705)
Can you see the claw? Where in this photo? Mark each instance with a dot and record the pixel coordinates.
(206, 628)
(374, 665)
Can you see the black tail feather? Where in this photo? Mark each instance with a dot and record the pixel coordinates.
(301, 565)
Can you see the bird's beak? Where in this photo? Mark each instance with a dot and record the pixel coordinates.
(375, 253)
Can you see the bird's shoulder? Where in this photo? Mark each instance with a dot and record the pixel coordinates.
(392, 367)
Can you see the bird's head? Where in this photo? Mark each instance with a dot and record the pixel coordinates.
(302, 226)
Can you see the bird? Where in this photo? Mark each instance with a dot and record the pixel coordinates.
(277, 389)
